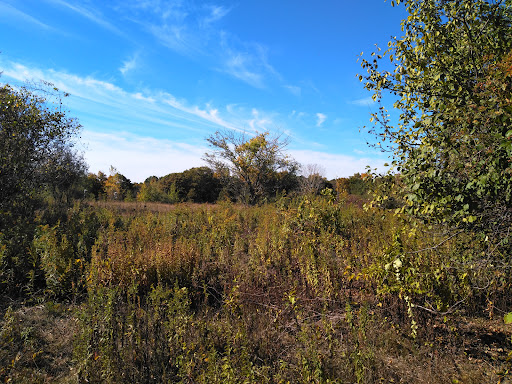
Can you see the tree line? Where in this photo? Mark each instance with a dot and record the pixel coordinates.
(203, 185)
(241, 168)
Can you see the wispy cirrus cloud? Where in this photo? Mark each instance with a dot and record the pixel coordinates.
(89, 13)
(260, 122)
(194, 29)
(10, 14)
(320, 119)
(294, 90)
(185, 27)
(152, 110)
(129, 65)
(214, 14)
(366, 101)
(245, 61)
(178, 38)
(297, 115)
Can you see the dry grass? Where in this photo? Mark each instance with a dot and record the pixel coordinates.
(37, 344)
(228, 294)
(135, 207)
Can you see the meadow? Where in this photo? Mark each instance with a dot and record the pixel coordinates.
(255, 268)
(308, 289)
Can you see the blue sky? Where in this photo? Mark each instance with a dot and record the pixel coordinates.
(151, 79)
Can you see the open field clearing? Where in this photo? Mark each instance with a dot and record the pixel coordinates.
(296, 291)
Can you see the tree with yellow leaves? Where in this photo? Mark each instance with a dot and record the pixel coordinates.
(257, 166)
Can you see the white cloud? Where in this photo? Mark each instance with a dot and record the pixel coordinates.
(129, 65)
(337, 165)
(294, 90)
(112, 101)
(138, 157)
(12, 15)
(245, 61)
(140, 96)
(183, 26)
(238, 65)
(215, 14)
(260, 123)
(193, 29)
(178, 38)
(320, 119)
(172, 11)
(190, 28)
(297, 115)
(90, 14)
(367, 101)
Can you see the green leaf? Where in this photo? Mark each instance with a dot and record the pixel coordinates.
(508, 318)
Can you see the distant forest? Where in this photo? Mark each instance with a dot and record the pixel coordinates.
(203, 185)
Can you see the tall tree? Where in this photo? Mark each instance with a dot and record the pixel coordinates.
(450, 75)
(313, 179)
(94, 185)
(254, 162)
(36, 156)
(118, 186)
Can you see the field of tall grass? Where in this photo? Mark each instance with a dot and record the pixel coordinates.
(303, 290)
